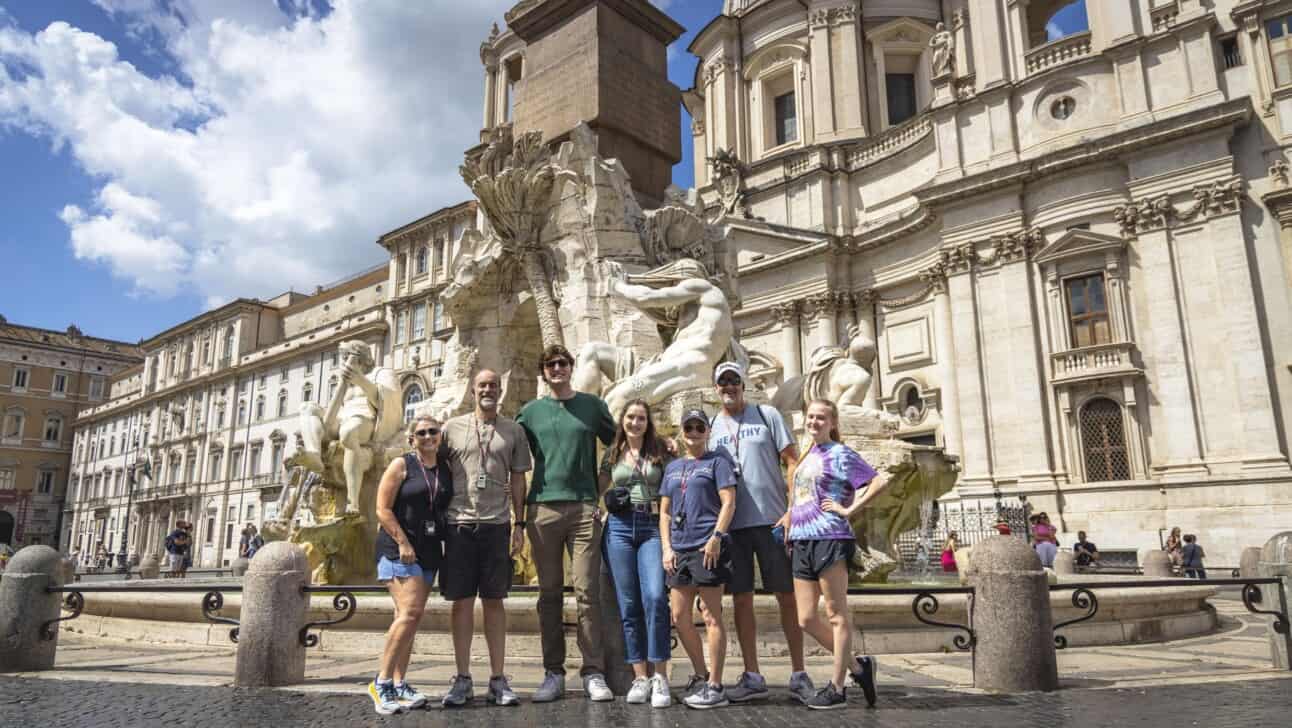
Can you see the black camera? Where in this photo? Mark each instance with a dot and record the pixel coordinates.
(679, 520)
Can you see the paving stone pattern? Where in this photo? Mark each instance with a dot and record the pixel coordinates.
(1245, 704)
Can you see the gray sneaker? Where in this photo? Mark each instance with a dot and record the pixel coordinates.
(709, 696)
(553, 687)
(693, 684)
(640, 691)
(460, 693)
(500, 692)
(750, 686)
(801, 688)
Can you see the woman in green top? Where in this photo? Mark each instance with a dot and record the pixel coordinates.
(633, 467)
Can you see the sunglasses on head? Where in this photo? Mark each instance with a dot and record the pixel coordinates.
(695, 427)
(556, 364)
(427, 432)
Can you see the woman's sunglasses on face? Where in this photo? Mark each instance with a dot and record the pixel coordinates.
(428, 432)
(695, 427)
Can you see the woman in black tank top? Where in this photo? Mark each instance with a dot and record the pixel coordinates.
(411, 503)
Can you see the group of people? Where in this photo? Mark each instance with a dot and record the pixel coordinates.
(179, 550)
(1186, 554)
(678, 524)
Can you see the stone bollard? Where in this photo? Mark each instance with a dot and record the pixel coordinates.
(239, 566)
(1157, 564)
(1011, 618)
(1065, 562)
(150, 567)
(1249, 562)
(25, 606)
(1276, 562)
(273, 612)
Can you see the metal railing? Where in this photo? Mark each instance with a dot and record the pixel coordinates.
(212, 601)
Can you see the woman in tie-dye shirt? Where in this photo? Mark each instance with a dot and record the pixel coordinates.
(831, 484)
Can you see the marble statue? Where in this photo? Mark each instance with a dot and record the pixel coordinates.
(678, 294)
(364, 413)
(841, 375)
(943, 44)
(729, 174)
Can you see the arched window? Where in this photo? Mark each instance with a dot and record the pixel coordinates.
(282, 403)
(411, 399)
(53, 428)
(419, 265)
(1103, 441)
(307, 392)
(1049, 20)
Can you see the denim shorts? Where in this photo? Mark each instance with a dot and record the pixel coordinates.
(387, 570)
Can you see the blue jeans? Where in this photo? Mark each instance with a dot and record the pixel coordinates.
(637, 569)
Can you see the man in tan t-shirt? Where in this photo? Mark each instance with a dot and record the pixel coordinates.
(489, 456)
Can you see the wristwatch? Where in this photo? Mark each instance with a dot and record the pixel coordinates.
(522, 524)
(721, 536)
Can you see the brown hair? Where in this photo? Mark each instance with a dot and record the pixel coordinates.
(834, 416)
(652, 446)
(552, 352)
(412, 426)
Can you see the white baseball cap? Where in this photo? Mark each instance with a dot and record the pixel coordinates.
(728, 366)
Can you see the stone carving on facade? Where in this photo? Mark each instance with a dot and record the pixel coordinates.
(960, 258)
(513, 181)
(717, 68)
(934, 279)
(1019, 245)
(1157, 212)
(679, 295)
(943, 44)
(787, 313)
(729, 176)
(1279, 173)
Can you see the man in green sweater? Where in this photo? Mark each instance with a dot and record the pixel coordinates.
(562, 514)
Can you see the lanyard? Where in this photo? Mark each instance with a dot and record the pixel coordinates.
(681, 488)
(431, 488)
(735, 436)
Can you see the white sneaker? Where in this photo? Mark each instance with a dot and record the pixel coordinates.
(660, 697)
(640, 691)
(595, 686)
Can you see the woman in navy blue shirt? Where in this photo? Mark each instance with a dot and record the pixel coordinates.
(697, 503)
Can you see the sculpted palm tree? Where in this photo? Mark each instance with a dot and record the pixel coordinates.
(513, 181)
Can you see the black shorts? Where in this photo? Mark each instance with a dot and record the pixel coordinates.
(774, 564)
(477, 560)
(813, 557)
(691, 571)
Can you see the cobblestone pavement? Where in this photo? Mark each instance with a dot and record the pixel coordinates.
(1245, 704)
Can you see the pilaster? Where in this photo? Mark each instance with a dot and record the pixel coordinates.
(791, 344)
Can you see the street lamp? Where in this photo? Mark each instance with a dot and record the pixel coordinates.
(145, 469)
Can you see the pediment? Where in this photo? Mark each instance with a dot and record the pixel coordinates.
(1075, 243)
(900, 30)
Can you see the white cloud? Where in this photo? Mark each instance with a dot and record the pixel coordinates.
(292, 142)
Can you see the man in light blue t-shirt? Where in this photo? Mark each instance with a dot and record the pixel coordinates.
(759, 442)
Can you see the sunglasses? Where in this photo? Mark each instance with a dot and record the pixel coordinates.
(428, 432)
(695, 427)
(729, 382)
(556, 364)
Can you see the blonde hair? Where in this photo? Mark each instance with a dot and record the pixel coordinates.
(412, 425)
(834, 415)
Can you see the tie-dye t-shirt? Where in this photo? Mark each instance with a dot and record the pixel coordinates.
(831, 471)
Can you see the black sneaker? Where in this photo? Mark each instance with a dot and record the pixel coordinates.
(864, 676)
(827, 698)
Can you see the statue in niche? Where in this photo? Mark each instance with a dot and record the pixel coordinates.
(364, 413)
(678, 295)
(943, 44)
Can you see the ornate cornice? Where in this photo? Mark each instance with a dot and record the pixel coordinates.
(1210, 200)
(832, 17)
(720, 66)
(1019, 246)
(959, 259)
(824, 304)
(787, 313)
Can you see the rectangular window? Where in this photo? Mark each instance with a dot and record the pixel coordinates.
(401, 327)
(45, 482)
(787, 123)
(1087, 311)
(96, 387)
(1230, 53)
(20, 377)
(6, 480)
(255, 460)
(251, 511)
(282, 375)
(210, 529)
(1280, 41)
(60, 383)
(900, 92)
(228, 535)
(437, 316)
(235, 464)
(275, 457)
(13, 424)
(216, 457)
(419, 323)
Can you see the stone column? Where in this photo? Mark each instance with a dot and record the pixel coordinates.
(791, 346)
(491, 81)
(1011, 618)
(25, 606)
(1275, 562)
(866, 327)
(822, 83)
(825, 306)
(1065, 562)
(850, 103)
(944, 340)
(273, 612)
(1026, 432)
(988, 29)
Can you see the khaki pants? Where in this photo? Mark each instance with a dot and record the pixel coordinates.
(553, 528)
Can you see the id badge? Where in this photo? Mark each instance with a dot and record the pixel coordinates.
(482, 481)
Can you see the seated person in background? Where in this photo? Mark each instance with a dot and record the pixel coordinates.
(1085, 551)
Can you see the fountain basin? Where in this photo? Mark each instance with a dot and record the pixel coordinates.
(885, 622)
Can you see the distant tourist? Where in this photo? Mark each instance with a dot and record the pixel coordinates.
(489, 455)
(411, 501)
(758, 441)
(177, 545)
(1002, 527)
(949, 552)
(563, 517)
(631, 474)
(697, 505)
(1191, 556)
(826, 485)
(1086, 553)
(250, 543)
(1043, 539)
(1174, 547)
